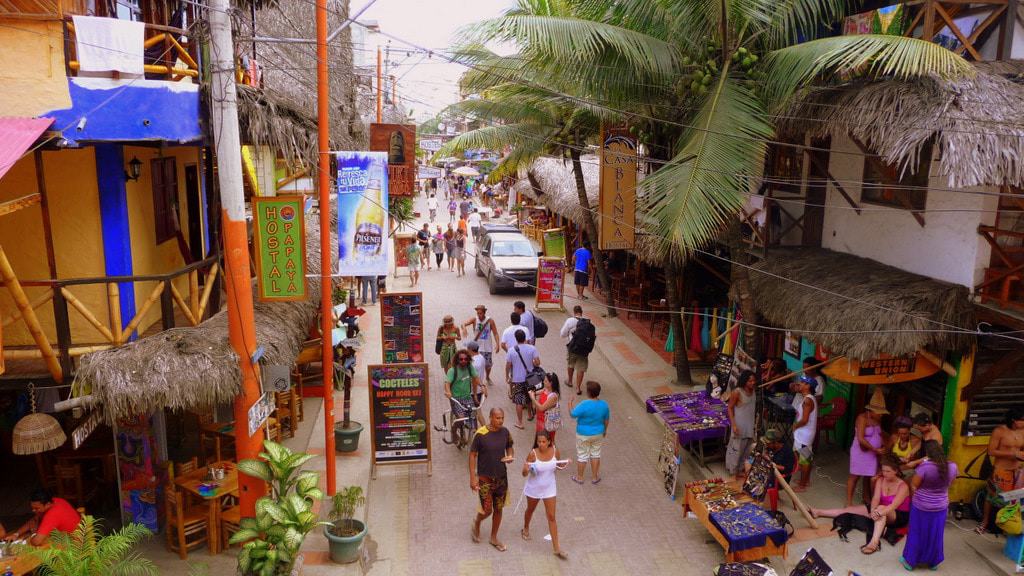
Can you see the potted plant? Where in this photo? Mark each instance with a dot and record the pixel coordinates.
(344, 533)
(339, 295)
(85, 552)
(346, 432)
(271, 540)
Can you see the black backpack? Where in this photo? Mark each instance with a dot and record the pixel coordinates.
(540, 327)
(583, 338)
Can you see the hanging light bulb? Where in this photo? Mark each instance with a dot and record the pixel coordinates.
(37, 432)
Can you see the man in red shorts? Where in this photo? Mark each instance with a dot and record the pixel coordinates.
(490, 452)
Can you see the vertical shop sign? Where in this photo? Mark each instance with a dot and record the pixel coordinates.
(401, 327)
(618, 190)
(280, 247)
(550, 281)
(554, 243)
(398, 141)
(362, 213)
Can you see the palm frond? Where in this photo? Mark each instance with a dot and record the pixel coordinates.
(846, 57)
(490, 137)
(689, 199)
(793, 21)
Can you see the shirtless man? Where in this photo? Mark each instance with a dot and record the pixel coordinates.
(1006, 448)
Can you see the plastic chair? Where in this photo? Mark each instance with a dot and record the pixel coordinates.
(827, 422)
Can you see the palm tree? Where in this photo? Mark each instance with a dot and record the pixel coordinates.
(703, 81)
(531, 121)
(85, 552)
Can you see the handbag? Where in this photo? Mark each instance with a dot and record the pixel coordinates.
(1008, 519)
(553, 417)
(439, 343)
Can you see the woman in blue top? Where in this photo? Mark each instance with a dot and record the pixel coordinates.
(591, 429)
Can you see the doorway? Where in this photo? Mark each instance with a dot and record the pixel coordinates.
(195, 202)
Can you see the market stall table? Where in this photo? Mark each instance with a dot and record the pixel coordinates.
(192, 482)
(744, 530)
(23, 562)
(693, 416)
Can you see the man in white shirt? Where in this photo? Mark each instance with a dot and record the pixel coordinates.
(474, 222)
(479, 365)
(519, 361)
(432, 206)
(482, 330)
(508, 338)
(577, 363)
(526, 319)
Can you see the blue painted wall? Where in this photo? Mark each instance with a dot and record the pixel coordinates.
(122, 111)
(117, 236)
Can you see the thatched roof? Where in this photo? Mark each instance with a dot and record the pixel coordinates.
(266, 119)
(195, 368)
(895, 312)
(558, 193)
(978, 122)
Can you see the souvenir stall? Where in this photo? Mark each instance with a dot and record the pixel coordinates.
(745, 531)
(691, 419)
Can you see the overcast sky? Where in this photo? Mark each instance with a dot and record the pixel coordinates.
(426, 85)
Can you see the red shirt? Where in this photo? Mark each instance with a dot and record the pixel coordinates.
(60, 516)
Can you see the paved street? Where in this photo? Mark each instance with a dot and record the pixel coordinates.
(626, 524)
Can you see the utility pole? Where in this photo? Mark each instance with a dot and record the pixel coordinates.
(327, 258)
(241, 321)
(380, 88)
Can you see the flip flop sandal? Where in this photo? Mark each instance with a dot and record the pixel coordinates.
(865, 549)
(520, 426)
(598, 481)
(562, 555)
(499, 546)
(906, 565)
(524, 534)
(474, 534)
(578, 480)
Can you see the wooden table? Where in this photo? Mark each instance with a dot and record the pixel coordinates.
(23, 563)
(228, 486)
(218, 431)
(692, 504)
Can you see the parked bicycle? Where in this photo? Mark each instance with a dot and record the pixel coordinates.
(459, 422)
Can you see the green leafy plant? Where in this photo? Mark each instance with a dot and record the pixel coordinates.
(339, 295)
(271, 540)
(86, 552)
(402, 213)
(344, 505)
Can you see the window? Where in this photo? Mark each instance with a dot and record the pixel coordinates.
(165, 198)
(785, 169)
(128, 10)
(884, 185)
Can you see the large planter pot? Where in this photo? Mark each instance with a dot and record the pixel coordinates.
(347, 439)
(345, 549)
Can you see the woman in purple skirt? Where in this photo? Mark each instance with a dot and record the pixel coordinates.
(928, 508)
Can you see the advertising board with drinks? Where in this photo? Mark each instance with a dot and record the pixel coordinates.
(362, 213)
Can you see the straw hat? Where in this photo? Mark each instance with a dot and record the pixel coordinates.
(877, 403)
(772, 435)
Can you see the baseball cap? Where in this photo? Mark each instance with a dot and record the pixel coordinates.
(772, 435)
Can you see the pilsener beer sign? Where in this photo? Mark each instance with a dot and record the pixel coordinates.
(618, 190)
(280, 247)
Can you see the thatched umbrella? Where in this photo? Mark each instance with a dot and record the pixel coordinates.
(880, 309)
(196, 368)
(977, 123)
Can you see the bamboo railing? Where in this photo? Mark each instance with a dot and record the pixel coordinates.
(109, 326)
(156, 35)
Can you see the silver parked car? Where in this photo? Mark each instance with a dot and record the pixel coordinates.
(507, 260)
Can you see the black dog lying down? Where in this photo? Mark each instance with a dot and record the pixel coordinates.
(844, 523)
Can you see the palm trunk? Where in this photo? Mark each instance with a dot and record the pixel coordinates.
(588, 218)
(680, 359)
(741, 287)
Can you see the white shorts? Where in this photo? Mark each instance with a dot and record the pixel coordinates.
(588, 447)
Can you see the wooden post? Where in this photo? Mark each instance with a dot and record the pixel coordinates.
(193, 295)
(929, 20)
(86, 313)
(34, 328)
(796, 501)
(51, 259)
(166, 306)
(153, 297)
(211, 281)
(114, 303)
(16, 315)
(180, 301)
(800, 371)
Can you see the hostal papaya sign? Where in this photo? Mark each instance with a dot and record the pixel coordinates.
(280, 247)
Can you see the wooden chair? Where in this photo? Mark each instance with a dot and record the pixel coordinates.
(634, 300)
(273, 430)
(297, 400)
(186, 466)
(230, 522)
(186, 529)
(284, 412)
(69, 483)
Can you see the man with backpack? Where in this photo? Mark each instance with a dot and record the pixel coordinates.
(536, 325)
(580, 336)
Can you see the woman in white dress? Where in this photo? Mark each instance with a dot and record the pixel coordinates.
(539, 470)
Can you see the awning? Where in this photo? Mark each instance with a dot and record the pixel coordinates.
(16, 136)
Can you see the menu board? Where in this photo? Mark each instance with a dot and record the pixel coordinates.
(401, 320)
(550, 278)
(401, 243)
(554, 243)
(399, 409)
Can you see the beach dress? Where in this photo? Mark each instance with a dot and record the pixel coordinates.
(862, 462)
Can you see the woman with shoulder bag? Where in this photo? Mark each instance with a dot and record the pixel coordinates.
(545, 402)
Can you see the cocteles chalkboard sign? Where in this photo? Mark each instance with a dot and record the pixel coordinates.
(399, 411)
(401, 319)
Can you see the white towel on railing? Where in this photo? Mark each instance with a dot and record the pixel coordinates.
(108, 44)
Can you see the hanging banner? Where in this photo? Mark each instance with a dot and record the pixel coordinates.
(280, 237)
(554, 243)
(618, 190)
(550, 279)
(431, 144)
(362, 213)
(401, 242)
(399, 410)
(428, 172)
(399, 142)
(401, 321)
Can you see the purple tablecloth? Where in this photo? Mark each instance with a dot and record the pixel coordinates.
(691, 415)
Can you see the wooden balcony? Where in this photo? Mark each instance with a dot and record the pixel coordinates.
(169, 54)
(190, 306)
(971, 23)
(1003, 283)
